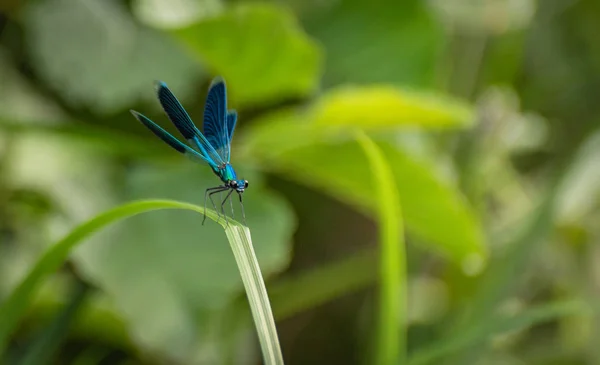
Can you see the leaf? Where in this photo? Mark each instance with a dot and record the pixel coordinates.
(161, 252)
(241, 245)
(433, 209)
(93, 54)
(391, 341)
(259, 49)
(380, 41)
(381, 106)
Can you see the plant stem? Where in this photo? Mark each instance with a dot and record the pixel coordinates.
(391, 322)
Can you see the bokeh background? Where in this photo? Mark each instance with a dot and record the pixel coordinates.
(487, 112)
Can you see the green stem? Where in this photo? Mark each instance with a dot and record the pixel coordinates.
(391, 340)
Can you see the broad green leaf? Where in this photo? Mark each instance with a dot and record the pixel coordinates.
(174, 254)
(383, 106)
(434, 209)
(259, 49)
(95, 55)
(377, 41)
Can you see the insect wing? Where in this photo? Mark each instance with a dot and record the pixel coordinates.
(182, 121)
(168, 138)
(231, 122)
(216, 119)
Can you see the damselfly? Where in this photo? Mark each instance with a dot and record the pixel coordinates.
(213, 147)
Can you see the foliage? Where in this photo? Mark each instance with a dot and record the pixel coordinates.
(483, 117)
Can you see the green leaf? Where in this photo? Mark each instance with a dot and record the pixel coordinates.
(241, 245)
(378, 41)
(391, 341)
(94, 54)
(161, 252)
(259, 49)
(382, 106)
(433, 209)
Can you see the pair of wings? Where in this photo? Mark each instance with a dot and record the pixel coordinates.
(214, 146)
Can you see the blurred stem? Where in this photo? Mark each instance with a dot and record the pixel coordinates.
(496, 284)
(533, 316)
(469, 68)
(391, 340)
(322, 284)
(7, 143)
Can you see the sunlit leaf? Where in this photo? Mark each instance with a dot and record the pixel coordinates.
(433, 208)
(259, 49)
(387, 106)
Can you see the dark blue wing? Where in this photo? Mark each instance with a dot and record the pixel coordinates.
(186, 127)
(216, 119)
(168, 138)
(231, 121)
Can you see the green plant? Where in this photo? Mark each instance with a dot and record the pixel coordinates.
(15, 306)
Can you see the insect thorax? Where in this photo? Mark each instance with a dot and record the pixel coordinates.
(225, 173)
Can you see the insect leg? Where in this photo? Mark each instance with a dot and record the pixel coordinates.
(232, 211)
(222, 208)
(215, 189)
(223, 188)
(223, 204)
(242, 204)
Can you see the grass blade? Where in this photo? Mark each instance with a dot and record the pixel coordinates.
(17, 303)
(391, 340)
(241, 245)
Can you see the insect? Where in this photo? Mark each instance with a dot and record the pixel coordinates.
(212, 147)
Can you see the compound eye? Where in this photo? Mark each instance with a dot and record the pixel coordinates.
(233, 183)
(245, 183)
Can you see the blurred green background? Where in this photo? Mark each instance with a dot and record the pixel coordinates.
(487, 112)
